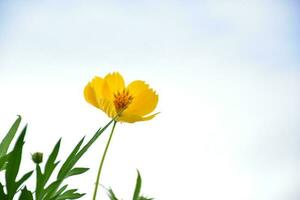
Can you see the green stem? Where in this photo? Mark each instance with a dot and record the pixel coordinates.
(38, 182)
(102, 161)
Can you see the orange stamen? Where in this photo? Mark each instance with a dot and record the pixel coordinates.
(122, 100)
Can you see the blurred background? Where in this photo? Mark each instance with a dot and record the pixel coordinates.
(227, 74)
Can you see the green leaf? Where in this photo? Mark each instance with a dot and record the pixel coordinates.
(4, 145)
(64, 170)
(138, 186)
(70, 194)
(42, 179)
(51, 189)
(137, 191)
(2, 194)
(51, 164)
(61, 190)
(13, 165)
(111, 194)
(23, 179)
(145, 198)
(26, 194)
(3, 162)
(70, 162)
(67, 166)
(93, 139)
(77, 171)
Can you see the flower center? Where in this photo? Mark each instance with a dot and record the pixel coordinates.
(122, 100)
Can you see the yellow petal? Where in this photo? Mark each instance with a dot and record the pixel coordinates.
(101, 88)
(115, 82)
(134, 118)
(89, 95)
(137, 87)
(98, 94)
(144, 103)
(108, 107)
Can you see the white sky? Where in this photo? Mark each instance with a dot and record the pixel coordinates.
(227, 74)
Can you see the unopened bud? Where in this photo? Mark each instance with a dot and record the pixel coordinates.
(37, 157)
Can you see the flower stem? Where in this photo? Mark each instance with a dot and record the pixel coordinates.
(102, 161)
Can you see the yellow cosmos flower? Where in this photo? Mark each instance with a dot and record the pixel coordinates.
(136, 101)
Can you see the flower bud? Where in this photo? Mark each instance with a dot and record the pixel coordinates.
(37, 157)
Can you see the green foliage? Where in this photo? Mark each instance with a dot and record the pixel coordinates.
(15, 184)
(138, 186)
(4, 145)
(6, 141)
(137, 191)
(111, 194)
(2, 194)
(43, 177)
(26, 194)
(54, 191)
(145, 198)
(10, 162)
(13, 166)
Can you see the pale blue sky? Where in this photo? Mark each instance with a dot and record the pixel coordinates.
(227, 73)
